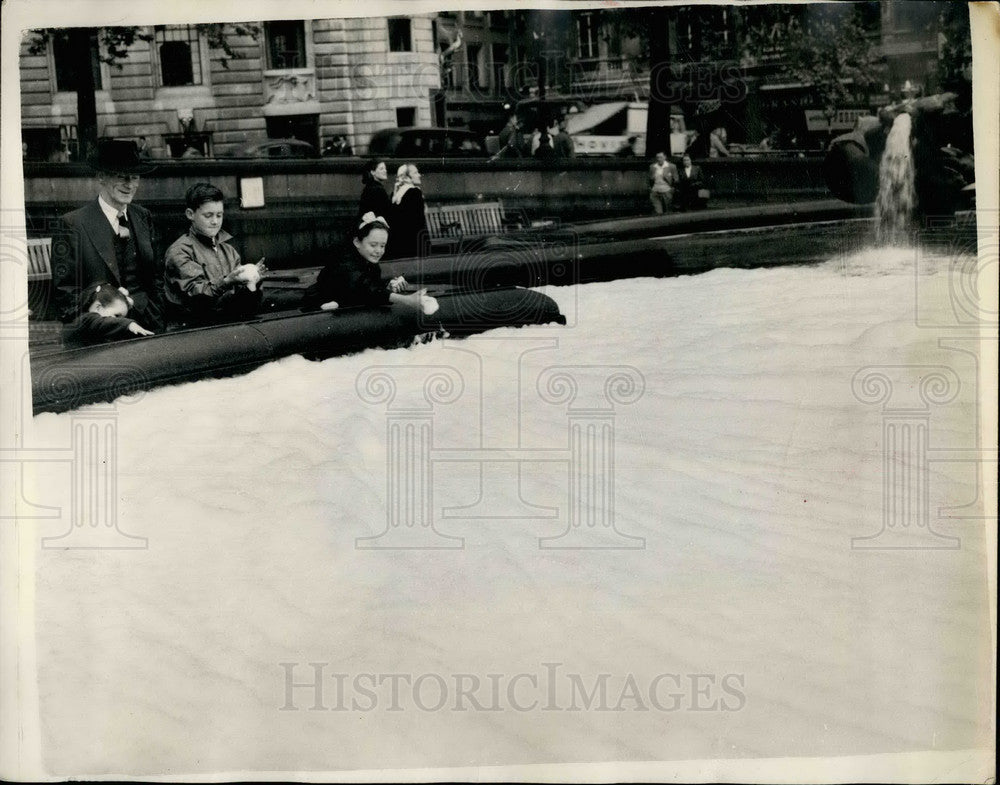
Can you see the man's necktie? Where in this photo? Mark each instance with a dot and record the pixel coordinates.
(123, 231)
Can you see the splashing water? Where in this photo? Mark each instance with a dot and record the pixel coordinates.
(896, 193)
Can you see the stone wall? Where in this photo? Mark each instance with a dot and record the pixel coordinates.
(310, 205)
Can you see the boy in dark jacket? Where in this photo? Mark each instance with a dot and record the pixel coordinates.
(206, 280)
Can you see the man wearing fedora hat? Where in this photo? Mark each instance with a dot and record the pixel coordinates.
(111, 240)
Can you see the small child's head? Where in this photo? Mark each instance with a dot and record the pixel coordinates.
(371, 236)
(205, 208)
(104, 300)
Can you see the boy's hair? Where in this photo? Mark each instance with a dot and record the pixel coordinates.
(200, 193)
(102, 293)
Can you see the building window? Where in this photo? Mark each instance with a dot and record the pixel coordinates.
(67, 64)
(304, 127)
(406, 116)
(399, 34)
(40, 144)
(286, 44)
(190, 145)
(587, 36)
(180, 55)
(500, 67)
(472, 64)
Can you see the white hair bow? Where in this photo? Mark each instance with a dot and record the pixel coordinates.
(370, 217)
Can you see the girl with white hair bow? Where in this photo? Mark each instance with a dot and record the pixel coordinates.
(356, 279)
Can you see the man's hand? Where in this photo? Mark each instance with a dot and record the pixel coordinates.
(333, 305)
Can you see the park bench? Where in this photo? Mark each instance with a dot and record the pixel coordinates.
(40, 259)
(39, 273)
(451, 225)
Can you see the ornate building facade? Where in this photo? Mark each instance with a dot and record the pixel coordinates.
(307, 79)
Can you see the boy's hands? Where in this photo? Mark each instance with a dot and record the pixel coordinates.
(138, 329)
(247, 274)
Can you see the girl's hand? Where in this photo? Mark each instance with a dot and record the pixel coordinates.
(397, 284)
(428, 305)
(138, 329)
(333, 305)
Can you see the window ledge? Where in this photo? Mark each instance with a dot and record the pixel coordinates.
(184, 97)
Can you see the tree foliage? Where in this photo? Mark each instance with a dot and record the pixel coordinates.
(955, 48)
(115, 42)
(826, 46)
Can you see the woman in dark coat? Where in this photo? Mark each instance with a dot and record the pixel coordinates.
(374, 198)
(407, 216)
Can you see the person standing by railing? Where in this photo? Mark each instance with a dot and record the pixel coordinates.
(407, 216)
(717, 143)
(662, 178)
(374, 198)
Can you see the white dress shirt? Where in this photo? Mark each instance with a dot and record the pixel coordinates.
(111, 213)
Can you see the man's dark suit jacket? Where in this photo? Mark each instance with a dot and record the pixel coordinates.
(83, 253)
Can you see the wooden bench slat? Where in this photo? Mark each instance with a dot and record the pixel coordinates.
(466, 220)
(40, 259)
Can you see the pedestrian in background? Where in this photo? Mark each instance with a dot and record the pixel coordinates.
(563, 142)
(407, 216)
(662, 178)
(374, 197)
(690, 185)
(717, 143)
(511, 139)
(544, 151)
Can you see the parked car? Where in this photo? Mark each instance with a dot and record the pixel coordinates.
(275, 148)
(426, 143)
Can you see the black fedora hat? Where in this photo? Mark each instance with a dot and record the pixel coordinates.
(118, 156)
